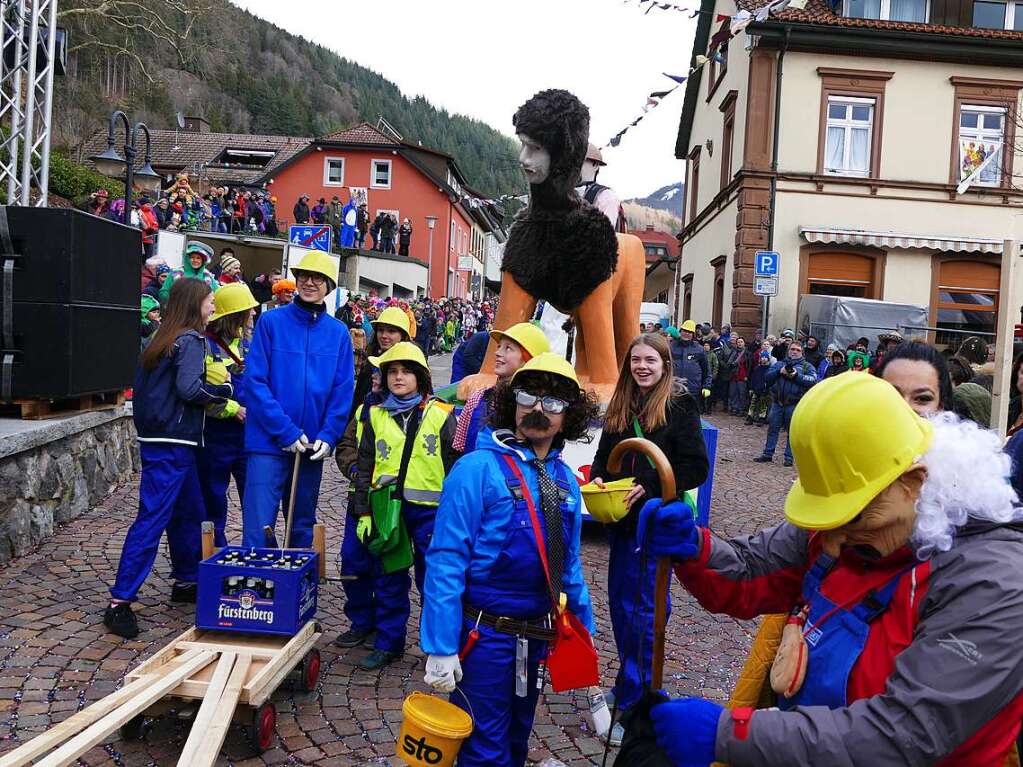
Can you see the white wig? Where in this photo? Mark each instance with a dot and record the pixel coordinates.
(967, 477)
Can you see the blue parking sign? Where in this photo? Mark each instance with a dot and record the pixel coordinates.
(765, 263)
(315, 236)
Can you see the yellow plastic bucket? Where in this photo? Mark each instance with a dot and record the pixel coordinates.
(607, 505)
(432, 731)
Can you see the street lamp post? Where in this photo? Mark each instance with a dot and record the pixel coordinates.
(110, 163)
(431, 222)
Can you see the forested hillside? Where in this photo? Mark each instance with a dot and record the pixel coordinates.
(245, 75)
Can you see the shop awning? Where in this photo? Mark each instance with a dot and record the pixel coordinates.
(828, 235)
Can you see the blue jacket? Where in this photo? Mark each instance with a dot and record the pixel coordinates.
(788, 391)
(475, 521)
(299, 379)
(690, 364)
(468, 357)
(169, 401)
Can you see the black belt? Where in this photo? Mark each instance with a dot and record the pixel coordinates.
(541, 630)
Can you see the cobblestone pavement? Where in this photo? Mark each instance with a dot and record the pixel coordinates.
(55, 656)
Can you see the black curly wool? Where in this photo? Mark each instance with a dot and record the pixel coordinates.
(559, 247)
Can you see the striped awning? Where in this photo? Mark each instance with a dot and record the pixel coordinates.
(828, 235)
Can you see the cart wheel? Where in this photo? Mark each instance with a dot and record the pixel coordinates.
(310, 671)
(264, 725)
(133, 728)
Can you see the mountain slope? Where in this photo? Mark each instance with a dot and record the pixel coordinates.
(670, 198)
(246, 75)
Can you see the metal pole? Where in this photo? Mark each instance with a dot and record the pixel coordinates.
(44, 160)
(13, 96)
(30, 107)
(1008, 310)
(774, 166)
(429, 267)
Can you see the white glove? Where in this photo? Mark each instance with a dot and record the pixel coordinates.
(320, 450)
(300, 445)
(443, 672)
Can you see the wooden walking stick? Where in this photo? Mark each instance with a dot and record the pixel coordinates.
(660, 463)
(291, 501)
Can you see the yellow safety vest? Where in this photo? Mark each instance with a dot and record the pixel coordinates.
(425, 474)
(217, 369)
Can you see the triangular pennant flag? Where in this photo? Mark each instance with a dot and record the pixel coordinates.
(700, 61)
(660, 94)
(741, 20)
(615, 140)
(762, 13)
(719, 37)
(719, 58)
(722, 17)
(677, 78)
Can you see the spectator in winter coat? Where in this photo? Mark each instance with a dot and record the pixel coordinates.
(161, 273)
(737, 394)
(361, 226)
(760, 396)
(230, 268)
(789, 380)
(301, 210)
(197, 260)
(690, 362)
(836, 365)
(333, 216)
(374, 231)
(387, 229)
(404, 237)
(813, 353)
(713, 363)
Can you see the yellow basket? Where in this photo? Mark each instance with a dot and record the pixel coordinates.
(608, 505)
(432, 731)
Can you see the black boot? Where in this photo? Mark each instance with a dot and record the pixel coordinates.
(184, 592)
(120, 620)
(352, 638)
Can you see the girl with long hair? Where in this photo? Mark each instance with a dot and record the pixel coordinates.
(647, 402)
(223, 454)
(170, 396)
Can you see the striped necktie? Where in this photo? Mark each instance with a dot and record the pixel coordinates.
(550, 501)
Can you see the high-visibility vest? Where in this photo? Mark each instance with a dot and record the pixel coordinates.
(425, 474)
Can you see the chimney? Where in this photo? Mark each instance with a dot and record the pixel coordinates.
(649, 227)
(196, 125)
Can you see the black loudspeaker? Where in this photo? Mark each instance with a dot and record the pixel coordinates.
(69, 303)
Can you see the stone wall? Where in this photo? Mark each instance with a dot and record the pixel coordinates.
(52, 471)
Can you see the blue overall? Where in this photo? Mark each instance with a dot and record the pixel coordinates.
(630, 595)
(169, 499)
(517, 588)
(221, 457)
(836, 644)
(388, 606)
(266, 490)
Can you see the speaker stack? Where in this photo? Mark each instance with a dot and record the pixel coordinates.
(69, 303)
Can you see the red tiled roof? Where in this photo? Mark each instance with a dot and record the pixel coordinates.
(653, 237)
(364, 133)
(818, 12)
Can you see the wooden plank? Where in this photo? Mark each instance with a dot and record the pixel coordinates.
(266, 681)
(95, 733)
(255, 652)
(208, 545)
(216, 732)
(167, 654)
(320, 547)
(197, 736)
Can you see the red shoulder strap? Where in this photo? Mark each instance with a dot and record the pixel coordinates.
(541, 547)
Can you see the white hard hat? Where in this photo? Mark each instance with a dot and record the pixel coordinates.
(593, 154)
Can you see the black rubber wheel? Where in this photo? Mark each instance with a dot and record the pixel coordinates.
(264, 727)
(310, 671)
(133, 729)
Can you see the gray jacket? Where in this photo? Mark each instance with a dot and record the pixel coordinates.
(962, 670)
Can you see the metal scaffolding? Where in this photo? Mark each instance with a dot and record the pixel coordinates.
(29, 29)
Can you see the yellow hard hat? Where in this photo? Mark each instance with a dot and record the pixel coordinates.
(231, 298)
(527, 335)
(607, 504)
(549, 362)
(319, 262)
(688, 325)
(852, 436)
(403, 351)
(392, 315)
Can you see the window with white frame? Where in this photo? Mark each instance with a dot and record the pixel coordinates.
(989, 14)
(453, 240)
(381, 174)
(890, 10)
(333, 171)
(981, 138)
(849, 136)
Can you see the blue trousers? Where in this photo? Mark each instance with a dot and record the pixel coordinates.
(390, 593)
(222, 457)
(169, 499)
(266, 481)
(779, 417)
(630, 594)
(503, 721)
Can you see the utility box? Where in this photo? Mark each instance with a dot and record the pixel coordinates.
(257, 591)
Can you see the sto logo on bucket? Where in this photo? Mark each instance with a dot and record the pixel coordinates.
(420, 749)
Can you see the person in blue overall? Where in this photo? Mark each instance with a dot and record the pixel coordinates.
(406, 441)
(648, 402)
(390, 328)
(223, 454)
(485, 562)
(170, 395)
(515, 347)
(299, 377)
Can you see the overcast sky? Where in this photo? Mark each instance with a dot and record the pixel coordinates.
(485, 58)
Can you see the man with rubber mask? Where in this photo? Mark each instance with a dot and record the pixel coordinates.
(505, 550)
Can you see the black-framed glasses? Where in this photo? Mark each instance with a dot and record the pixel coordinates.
(315, 279)
(548, 404)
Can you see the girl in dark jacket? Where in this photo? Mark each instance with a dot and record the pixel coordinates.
(169, 399)
(647, 402)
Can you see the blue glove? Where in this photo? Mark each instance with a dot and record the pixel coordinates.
(686, 730)
(673, 531)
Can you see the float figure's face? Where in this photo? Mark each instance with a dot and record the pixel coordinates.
(534, 159)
